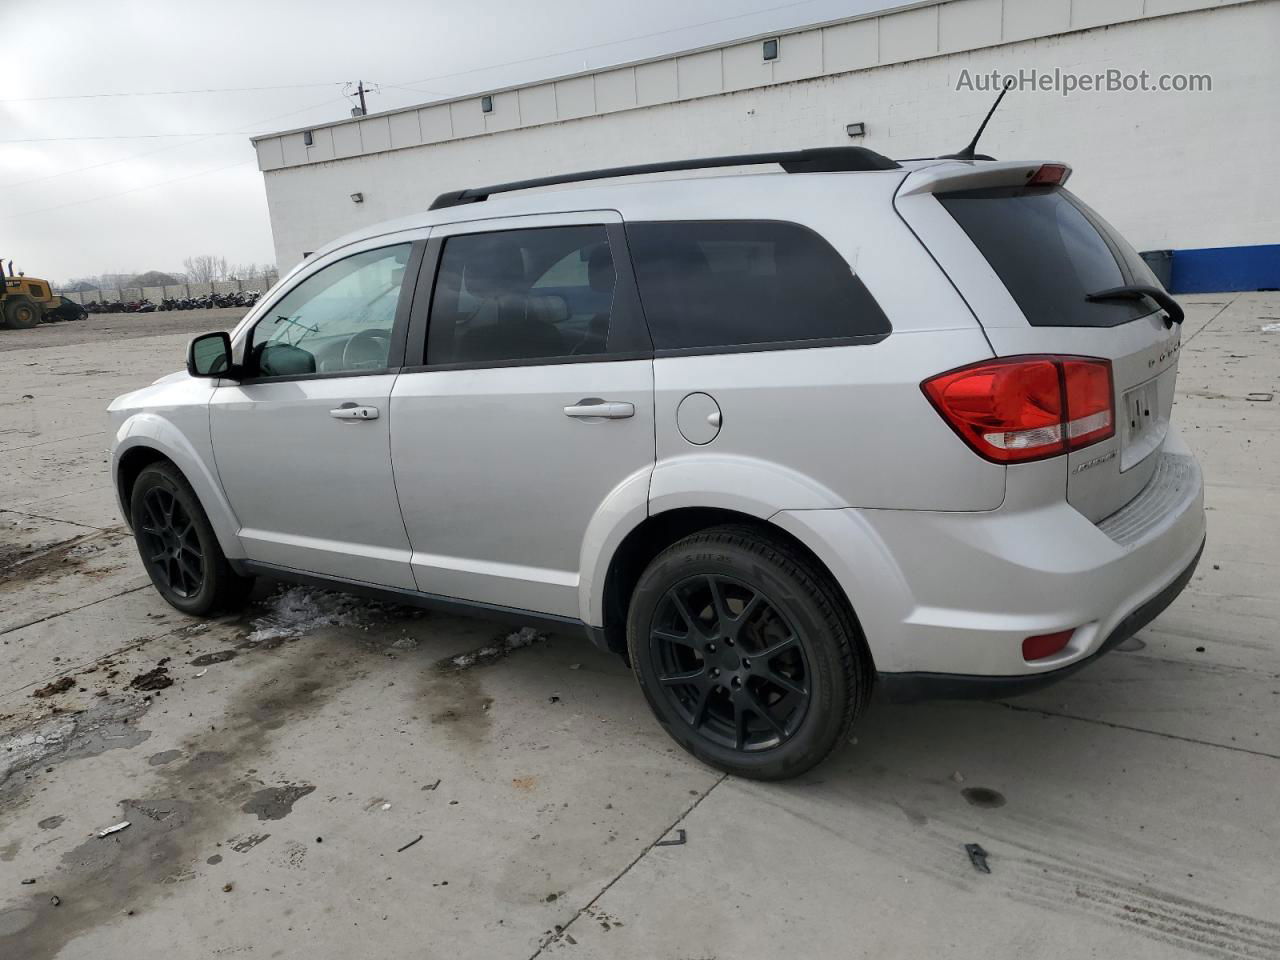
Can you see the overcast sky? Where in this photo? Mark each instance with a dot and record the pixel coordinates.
(83, 204)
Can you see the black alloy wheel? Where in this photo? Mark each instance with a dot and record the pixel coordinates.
(177, 544)
(171, 544)
(730, 664)
(748, 651)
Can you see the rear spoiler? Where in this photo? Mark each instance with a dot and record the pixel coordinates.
(969, 175)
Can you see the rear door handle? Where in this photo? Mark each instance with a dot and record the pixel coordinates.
(352, 411)
(593, 408)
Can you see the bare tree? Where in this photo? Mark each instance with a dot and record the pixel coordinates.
(256, 275)
(205, 268)
(246, 271)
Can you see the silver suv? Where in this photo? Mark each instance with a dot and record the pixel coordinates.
(776, 437)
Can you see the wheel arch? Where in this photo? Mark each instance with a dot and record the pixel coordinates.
(145, 439)
(130, 465)
(657, 532)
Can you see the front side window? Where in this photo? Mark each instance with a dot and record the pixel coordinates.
(532, 295)
(736, 283)
(337, 320)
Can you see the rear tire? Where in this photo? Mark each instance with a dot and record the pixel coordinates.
(747, 653)
(178, 547)
(21, 313)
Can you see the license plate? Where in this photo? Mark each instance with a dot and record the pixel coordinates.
(1140, 414)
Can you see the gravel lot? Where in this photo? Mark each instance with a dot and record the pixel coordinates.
(101, 327)
(277, 788)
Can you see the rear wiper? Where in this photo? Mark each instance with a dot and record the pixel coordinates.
(1136, 291)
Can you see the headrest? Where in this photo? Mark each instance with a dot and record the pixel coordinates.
(493, 269)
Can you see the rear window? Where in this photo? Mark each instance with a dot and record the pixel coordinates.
(1051, 251)
(742, 283)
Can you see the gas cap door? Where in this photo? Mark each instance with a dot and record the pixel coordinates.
(698, 418)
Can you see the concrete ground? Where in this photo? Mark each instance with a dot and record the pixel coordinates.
(324, 779)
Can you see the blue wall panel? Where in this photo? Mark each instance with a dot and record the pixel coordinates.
(1223, 269)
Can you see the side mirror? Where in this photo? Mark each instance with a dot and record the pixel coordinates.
(209, 355)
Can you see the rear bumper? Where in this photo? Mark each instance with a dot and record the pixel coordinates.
(911, 687)
(946, 599)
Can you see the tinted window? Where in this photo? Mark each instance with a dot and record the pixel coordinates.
(338, 319)
(732, 283)
(522, 295)
(1050, 250)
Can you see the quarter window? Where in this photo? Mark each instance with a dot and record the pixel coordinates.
(715, 284)
(522, 295)
(337, 320)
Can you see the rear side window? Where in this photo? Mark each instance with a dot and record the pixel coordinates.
(523, 295)
(741, 283)
(1051, 251)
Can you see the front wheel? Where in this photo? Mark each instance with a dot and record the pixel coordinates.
(21, 313)
(178, 546)
(746, 653)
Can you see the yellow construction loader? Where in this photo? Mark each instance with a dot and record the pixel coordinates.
(26, 301)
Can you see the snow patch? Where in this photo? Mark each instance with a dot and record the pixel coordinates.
(523, 637)
(296, 611)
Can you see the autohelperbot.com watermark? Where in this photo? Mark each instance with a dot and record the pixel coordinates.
(1067, 82)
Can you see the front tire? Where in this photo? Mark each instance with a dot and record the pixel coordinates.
(178, 547)
(747, 653)
(21, 313)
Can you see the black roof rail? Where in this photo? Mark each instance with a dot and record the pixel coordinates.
(816, 160)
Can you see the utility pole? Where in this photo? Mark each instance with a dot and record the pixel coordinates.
(360, 92)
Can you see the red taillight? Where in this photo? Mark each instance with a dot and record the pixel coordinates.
(1045, 645)
(1027, 408)
(1090, 401)
(1049, 174)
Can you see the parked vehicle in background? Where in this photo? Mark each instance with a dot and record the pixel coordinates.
(245, 298)
(65, 310)
(777, 438)
(24, 301)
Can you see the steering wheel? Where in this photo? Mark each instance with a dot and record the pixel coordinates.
(366, 350)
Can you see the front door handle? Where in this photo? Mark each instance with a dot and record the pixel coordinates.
(352, 411)
(593, 408)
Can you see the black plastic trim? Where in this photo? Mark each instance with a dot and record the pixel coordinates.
(423, 293)
(327, 375)
(413, 598)
(600, 638)
(529, 362)
(914, 687)
(816, 160)
(864, 340)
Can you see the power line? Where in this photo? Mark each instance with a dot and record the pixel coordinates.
(360, 91)
(121, 193)
(130, 136)
(174, 146)
(408, 86)
(168, 93)
(608, 43)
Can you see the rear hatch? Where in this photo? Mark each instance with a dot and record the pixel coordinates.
(1025, 253)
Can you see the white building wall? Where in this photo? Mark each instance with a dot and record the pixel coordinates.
(1171, 170)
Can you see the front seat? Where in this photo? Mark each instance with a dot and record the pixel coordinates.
(509, 324)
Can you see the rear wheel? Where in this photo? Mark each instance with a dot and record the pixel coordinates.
(178, 546)
(746, 653)
(21, 313)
